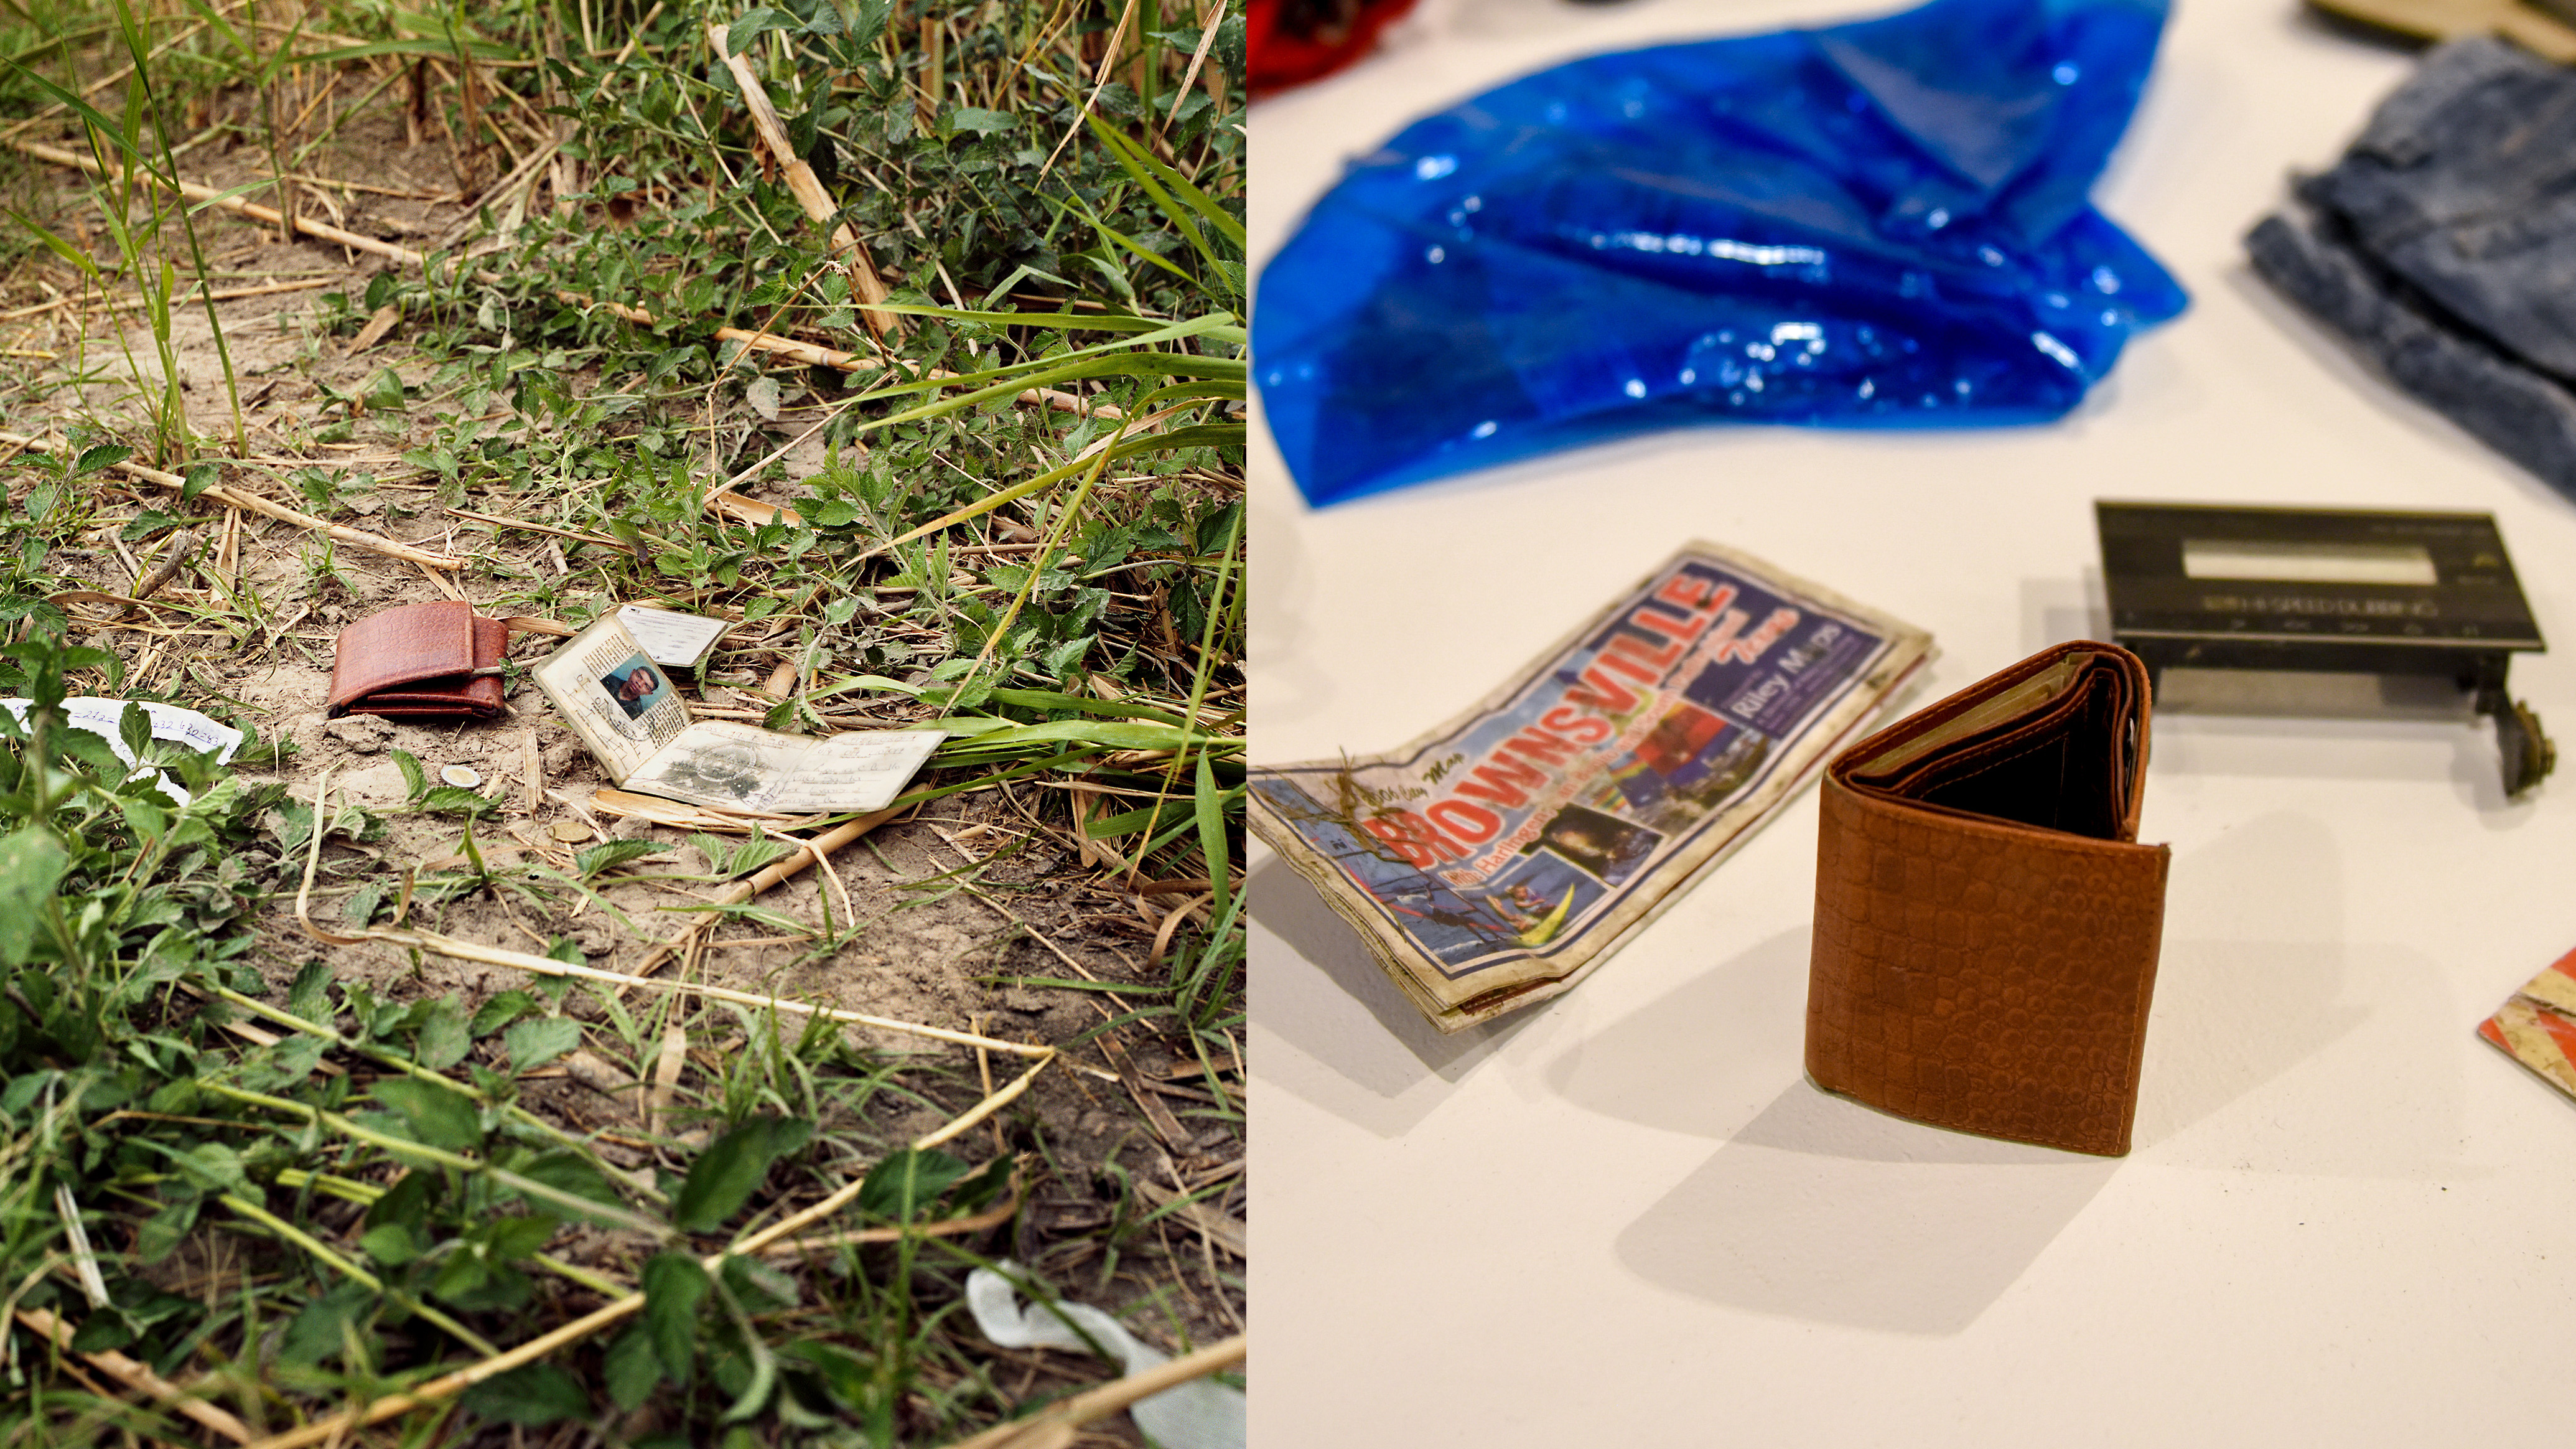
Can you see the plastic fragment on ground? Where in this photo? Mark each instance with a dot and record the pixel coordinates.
(1882, 224)
(1200, 1414)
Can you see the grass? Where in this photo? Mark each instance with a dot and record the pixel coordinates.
(302, 1187)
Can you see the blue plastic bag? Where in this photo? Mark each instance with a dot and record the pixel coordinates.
(1881, 224)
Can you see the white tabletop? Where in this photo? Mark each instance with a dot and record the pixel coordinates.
(1626, 1217)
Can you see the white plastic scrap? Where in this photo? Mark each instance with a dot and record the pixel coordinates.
(1200, 1414)
(169, 723)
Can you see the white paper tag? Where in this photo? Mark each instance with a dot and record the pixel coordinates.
(670, 638)
(170, 724)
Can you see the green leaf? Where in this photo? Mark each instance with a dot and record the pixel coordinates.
(162, 1232)
(632, 1367)
(1211, 812)
(103, 1333)
(756, 1388)
(567, 1171)
(979, 120)
(512, 1238)
(415, 779)
(473, 1282)
(534, 1395)
(392, 1244)
(983, 1187)
(532, 1044)
(32, 862)
(608, 855)
(444, 1038)
(501, 1010)
(1058, 660)
(1057, 321)
(898, 1187)
(435, 1116)
(310, 996)
(320, 1331)
(385, 392)
(216, 1168)
(756, 852)
(134, 731)
(407, 1202)
(674, 1288)
(100, 459)
(442, 798)
(731, 1169)
(758, 1287)
(744, 31)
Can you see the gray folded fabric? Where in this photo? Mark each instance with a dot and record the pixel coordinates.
(2443, 244)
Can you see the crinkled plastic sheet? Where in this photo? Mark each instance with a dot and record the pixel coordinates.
(1880, 224)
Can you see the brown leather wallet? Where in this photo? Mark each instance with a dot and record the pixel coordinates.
(1986, 922)
(420, 661)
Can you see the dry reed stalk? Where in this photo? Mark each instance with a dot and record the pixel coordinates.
(1099, 83)
(689, 817)
(228, 294)
(138, 1377)
(808, 189)
(234, 498)
(829, 841)
(992, 1217)
(667, 1066)
(1208, 25)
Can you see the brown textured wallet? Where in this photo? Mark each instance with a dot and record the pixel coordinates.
(420, 661)
(1986, 922)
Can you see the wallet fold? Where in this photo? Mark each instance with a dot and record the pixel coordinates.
(1987, 926)
(420, 661)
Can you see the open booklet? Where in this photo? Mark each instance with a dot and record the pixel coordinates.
(624, 707)
(1499, 859)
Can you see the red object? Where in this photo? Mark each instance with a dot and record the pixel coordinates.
(1290, 42)
(1678, 740)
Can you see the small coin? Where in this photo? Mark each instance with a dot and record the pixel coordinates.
(465, 775)
(570, 831)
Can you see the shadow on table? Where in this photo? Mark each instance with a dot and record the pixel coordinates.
(1321, 991)
(1822, 1209)
(1704, 1057)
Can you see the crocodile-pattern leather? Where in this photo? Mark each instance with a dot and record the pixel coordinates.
(1978, 973)
(416, 662)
